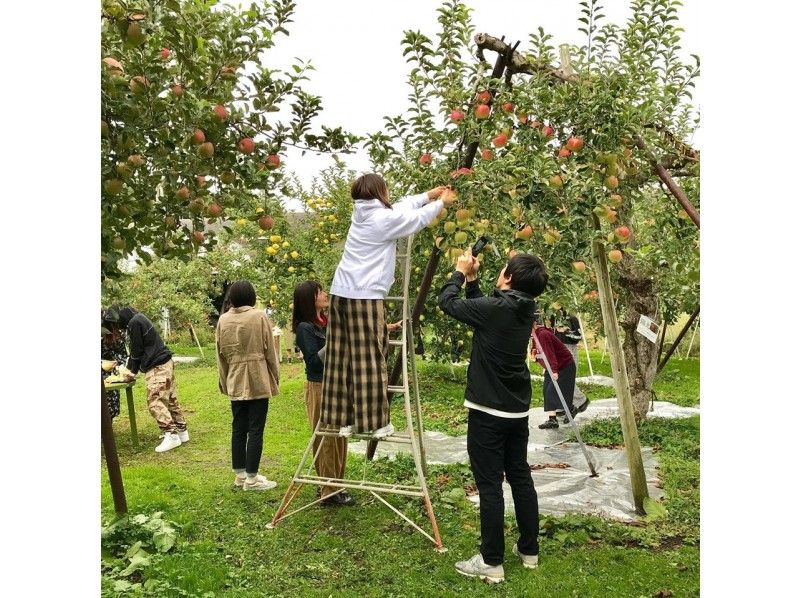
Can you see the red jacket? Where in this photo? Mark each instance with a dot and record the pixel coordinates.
(557, 354)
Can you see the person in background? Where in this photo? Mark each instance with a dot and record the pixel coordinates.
(150, 355)
(308, 325)
(498, 396)
(248, 374)
(568, 330)
(564, 370)
(112, 348)
(355, 381)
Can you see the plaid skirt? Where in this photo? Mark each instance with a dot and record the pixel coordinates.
(354, 385)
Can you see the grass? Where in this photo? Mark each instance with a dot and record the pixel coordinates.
(223, 548)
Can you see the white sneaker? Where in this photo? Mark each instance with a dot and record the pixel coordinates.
(258, 483)
(171, 441)
(183, 435)
(529, 561)
(383, 432)
(238, 481)
(346, 431)
(475, 567)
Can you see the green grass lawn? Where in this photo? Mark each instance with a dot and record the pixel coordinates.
(223, 548)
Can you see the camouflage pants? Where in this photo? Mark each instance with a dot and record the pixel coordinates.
(162, 398)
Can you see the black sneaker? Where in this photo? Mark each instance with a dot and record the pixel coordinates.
(550, 424)
(583, 406)
(343, 499)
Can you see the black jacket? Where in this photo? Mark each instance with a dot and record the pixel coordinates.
(572, 336)
(310, 339)
(147, 350)
(498, 375)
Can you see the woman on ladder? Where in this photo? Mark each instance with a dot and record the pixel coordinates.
(354, 387)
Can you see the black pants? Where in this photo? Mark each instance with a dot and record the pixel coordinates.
(566, 382)
(247, 435)
(496, 445)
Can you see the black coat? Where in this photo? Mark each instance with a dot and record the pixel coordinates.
(147, 350)
(310, 339)
(498, 375)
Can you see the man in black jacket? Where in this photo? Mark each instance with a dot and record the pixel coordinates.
(149, 354)
(498, 396)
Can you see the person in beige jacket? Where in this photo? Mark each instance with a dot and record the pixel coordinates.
(248, 375)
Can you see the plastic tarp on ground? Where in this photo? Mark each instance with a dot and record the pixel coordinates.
(560, 472)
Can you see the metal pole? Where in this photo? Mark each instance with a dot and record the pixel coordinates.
(585, 346)
(110, 451)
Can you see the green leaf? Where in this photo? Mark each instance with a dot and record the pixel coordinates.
(654, 509)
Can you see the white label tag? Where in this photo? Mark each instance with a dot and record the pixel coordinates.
(648, 329)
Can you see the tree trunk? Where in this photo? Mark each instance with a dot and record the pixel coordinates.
(641, 355)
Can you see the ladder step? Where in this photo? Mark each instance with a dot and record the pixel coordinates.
(397, 388)
(393, 299)
(395, 343)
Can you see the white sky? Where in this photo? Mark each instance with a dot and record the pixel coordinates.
(354, 45)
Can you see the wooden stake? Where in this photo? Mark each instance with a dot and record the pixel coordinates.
(110, 452)
(678, 340)
(196, 340)
(630, 434)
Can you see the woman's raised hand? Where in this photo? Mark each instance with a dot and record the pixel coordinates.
(436, 192)
(448, 196)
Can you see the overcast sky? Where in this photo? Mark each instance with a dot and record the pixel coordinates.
(360, 73)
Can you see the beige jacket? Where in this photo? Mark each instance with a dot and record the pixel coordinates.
(248, 364)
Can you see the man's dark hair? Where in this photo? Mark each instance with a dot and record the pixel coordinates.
(241, 293)
(304, 305)
(527, 274)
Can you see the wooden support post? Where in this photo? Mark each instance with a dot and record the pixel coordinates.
(110, 452)
(678, 340)
(630, 434)
(663, 336)
(691, 341)
(196, 340)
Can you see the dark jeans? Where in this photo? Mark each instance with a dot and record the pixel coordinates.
(247, 434)
(566, 382)
(496, 445)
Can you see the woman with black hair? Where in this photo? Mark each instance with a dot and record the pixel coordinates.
(308, 325)
(248, 375)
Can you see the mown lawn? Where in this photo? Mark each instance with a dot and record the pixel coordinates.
(223, 548)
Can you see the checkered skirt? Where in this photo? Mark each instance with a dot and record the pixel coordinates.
(354, 385)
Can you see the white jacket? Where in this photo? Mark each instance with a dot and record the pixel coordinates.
(366, 270)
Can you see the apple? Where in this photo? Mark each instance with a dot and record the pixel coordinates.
(487, 154)
(228, 178)
(177, 90)
(271, 250)
(425, 159)
(627, 152)
(574, 144)
(123, 169)
(534, 124)
(482, 112)
(564, 153)
(548, 131)
(500, 140)
(247, 145)
(113, 186)
(183, 192)
(295, 255)
(484, 97)
(526, 232)
(206, 149)
(198, 137)
(616, 200)
(462, 214)
(456, 116)
(449, 227)
(623, 233)
(118, 243)
(460, 238)
(579, 266)
(612, 182)
(196, 206)
(228, 73)
(214, 210)
(134, 34)
(138, 84)
(274, 288)
(273, 161)
(265, 222)
(103, 128)
(198, 237)
(442, 214)
(136, 160)
(164, 53)
(556, 181)
(290, 269)
(221, 112)
(508, 107)
(201, 181)
(615, 256)
(170, 221)
(523, 118)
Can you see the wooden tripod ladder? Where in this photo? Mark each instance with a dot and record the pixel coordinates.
(413, 434)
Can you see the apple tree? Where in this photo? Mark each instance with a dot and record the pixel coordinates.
(194, 122)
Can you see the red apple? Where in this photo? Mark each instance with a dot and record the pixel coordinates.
(425, 159)
(579, 266)
(113, 186)
(623, 233)
(616, 200)
(487, 154)
(183, 192)
(574, 144)
(177, 90)
(228, 178)
(534, 124)
(138, 84)
(247, 145)
(615, 256)
(196, 206)
(265, 222)
(612, 182)
(214, 210)
(508, 107)
(526, 232)
(164, 53)
(548, 131)
(198, 237)
(221, 112)
(456, 116)
(201, 181)
(556, 181)
(523, 118)
(500, 140)
(198, 136)
(273, 160)
(484, 97)
(482, 112)
(136, 160)
(206, 149)
(564, 153)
